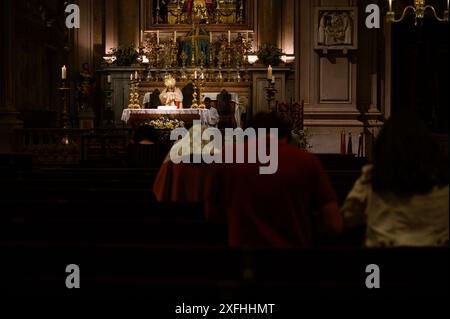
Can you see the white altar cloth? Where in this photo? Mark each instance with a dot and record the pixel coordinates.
(203, 113)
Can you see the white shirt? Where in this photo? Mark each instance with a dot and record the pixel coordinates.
(213, 117)
(419, 220)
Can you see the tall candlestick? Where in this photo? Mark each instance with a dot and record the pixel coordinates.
(64, 73)
(390, 5)
(269, 72)
(229, 36)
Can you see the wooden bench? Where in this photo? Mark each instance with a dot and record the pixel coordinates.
(156, 273)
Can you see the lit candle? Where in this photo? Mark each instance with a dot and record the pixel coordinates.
(269, 72)
(157, 36)
(210, 37)
(136, 75)
(390, 5)
(109, 79)
(195, 75)
(229, 36)
(447, 4)
(131, 77)
(174, 36)
(64, 73)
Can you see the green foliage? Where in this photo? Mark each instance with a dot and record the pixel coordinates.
(270, 54)
(125, 56)
(300, 138)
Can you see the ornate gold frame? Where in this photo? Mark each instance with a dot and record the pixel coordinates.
(147, 13)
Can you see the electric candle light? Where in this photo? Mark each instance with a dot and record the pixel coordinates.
(64, 73)
(269, 72)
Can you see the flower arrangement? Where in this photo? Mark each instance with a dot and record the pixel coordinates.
(164, 123)
(301, 138)
(269, 54)
(124, 56)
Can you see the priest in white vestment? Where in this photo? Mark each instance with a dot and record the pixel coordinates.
(171, 95)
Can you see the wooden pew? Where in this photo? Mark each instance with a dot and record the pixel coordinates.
(116, 222)
(223, 274)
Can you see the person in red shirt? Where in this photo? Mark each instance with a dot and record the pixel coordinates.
(282, 210)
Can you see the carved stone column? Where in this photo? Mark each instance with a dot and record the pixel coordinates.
(8, 113)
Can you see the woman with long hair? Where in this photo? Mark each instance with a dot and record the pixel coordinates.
(403, 196)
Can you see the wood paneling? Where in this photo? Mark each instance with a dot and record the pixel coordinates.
(335, 80)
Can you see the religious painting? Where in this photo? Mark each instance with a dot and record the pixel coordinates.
(179, 14)
(336, 28)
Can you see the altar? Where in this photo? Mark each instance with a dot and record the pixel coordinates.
(136, 116)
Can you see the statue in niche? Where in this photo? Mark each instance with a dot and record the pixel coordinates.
(200, 11)
(85, 88)
(335, 29)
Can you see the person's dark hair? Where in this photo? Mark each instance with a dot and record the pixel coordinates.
(207, 99)
(407, 160)
(270, 120)
(145, 132)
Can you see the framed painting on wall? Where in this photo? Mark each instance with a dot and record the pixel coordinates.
(336, 28)
(213, 14)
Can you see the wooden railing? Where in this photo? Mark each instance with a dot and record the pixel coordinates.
(69, 146)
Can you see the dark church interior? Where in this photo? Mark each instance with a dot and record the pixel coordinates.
(95, 204)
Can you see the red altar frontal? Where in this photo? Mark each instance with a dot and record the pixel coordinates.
(134, 117)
